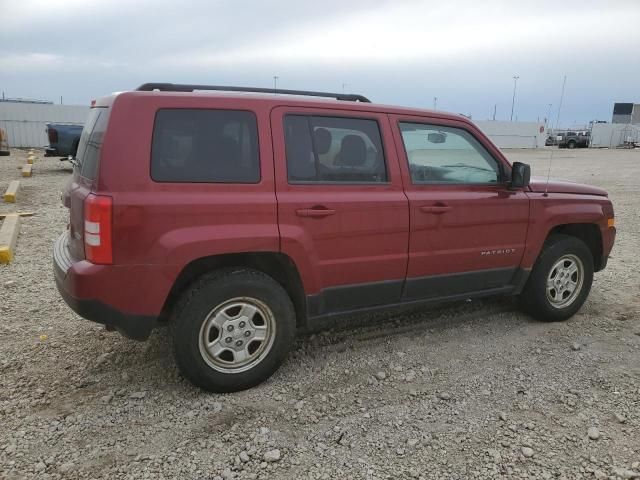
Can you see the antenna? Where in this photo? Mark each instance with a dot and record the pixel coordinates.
(546, 187)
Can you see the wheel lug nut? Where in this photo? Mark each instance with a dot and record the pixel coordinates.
(228, 339)
(247, 333)
(239, 343)
(241, 324)
(230, 328)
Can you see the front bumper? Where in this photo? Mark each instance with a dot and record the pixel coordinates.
(68, 274)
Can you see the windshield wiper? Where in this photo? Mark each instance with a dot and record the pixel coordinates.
(463, 165)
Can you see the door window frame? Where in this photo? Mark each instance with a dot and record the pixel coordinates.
(345, 116)
(392, 162)
(472, 130)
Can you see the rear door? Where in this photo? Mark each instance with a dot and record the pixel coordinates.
(342, 212)
(468, 229)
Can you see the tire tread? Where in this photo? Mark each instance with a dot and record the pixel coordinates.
(200, 374)
(533, 300)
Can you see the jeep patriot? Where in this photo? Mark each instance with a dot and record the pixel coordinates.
(237, 216)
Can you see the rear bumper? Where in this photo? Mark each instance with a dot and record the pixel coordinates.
(82, 284)
(136, 327)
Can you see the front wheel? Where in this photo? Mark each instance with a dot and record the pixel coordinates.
(232, 330)
(560, 280)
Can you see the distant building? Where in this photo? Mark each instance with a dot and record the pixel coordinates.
(626, 113)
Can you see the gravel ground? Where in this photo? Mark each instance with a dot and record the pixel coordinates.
(472, 390)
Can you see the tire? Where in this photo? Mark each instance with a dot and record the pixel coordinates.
(552, 306)
(219, 310)
(571, 144)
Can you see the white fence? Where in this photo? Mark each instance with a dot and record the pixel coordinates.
(25, 123)
(612, 135)
(514, 134)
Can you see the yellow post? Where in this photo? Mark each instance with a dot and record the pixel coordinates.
(9, 237)
(12, 191)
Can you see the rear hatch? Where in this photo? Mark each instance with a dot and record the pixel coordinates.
(84, 178)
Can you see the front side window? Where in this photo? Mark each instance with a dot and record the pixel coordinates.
(439, 154)
(205, 146)
(333, 150)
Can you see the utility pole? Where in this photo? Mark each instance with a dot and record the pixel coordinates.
(548, 115)
(513, 100)
(495, 107)
(60, 99)
(435, 103)
(564, 82)
(275, 84)
(343, 85)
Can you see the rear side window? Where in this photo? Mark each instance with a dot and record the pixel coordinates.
(205, 146)
(90, 144)
(333, 150)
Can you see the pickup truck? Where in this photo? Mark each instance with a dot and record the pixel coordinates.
(63, 139)
(574, 139)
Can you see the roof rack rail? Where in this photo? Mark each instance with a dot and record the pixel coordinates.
(180, 87)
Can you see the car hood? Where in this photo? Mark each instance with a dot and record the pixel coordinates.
(539, 184)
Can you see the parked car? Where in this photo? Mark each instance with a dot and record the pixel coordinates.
(239, 218)
(574, 139)
(4, 143)
(63, 140)
(552, 139)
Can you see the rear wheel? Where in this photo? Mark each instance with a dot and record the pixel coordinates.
(233, 329)
(560, 280)
(571, 144)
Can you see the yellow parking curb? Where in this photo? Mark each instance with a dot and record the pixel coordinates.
(9, 237)
(26, 170)
(31, 159)
(12, 191)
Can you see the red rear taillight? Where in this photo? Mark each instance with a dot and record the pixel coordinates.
(97, 229)
(53, 135)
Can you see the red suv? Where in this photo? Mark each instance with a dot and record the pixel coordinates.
(238, 217)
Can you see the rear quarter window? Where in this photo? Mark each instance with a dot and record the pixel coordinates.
(205, 146)
(90, 144)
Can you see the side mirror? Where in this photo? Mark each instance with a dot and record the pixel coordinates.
(437, 137)
(520, 175)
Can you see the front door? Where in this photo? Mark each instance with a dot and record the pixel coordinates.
(468, 230)
(342, 212)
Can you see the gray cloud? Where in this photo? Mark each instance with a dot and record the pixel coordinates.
(465, 52)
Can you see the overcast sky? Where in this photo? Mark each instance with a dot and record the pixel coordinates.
(465, 53)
